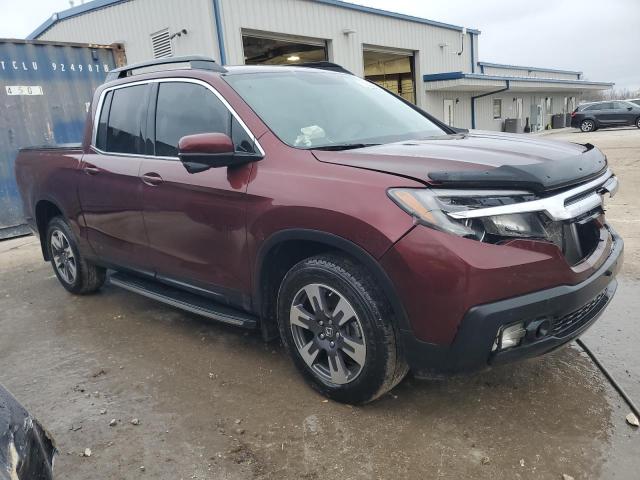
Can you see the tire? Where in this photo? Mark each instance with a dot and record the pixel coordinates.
(347, 350)
(73, 271)
(588, 126)
(638, 122)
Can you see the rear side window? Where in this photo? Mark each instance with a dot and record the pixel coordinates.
(127, 118)
(186, 109)
(600, 106)
(621, 105)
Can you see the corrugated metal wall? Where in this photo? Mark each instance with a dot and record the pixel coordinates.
(132, 24)
(45, 93)
(484, 106)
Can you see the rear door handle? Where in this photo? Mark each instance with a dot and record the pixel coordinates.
(152, 179)
(90, 169)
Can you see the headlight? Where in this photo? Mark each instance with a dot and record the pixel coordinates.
(433, 208)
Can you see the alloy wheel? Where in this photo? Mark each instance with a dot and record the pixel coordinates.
(63, 257)
(328, 334)
(587, 126)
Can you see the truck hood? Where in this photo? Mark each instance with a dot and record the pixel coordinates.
(479, 159)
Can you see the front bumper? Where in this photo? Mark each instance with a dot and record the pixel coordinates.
(578, 306)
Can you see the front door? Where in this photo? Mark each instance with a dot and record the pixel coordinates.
(109, 186)
(196, 222)
(448, 112)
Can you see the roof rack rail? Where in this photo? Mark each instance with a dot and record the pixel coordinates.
(334, 67)
(195, 62)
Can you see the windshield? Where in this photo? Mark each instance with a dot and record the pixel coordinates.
(319, 109)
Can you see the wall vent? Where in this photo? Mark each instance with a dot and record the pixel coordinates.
(161, 42)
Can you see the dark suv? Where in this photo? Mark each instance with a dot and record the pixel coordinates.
(328, 212)
(615, 113)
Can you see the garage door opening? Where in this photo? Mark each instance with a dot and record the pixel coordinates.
(393, 71)
(266, 50)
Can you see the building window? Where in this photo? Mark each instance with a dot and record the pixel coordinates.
(161, 43)
(259, 50)
(497, 108)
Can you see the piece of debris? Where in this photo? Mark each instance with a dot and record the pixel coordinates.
(211, 375)
(103, 411)
(113, 422)
(633, 420)
(99, 373)
(522, 462)
(240, 431)
(325, 401)
(142, 469)
(87, 452)
(567, 477)
(485, 460)
(74, 428)
(135, 421)
(238, 421)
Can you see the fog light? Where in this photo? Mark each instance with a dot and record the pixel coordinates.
(511, 336)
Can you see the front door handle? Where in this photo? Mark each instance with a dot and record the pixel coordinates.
(152, 179)
(90, 169)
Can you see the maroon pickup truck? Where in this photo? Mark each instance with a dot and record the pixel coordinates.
(324, 210)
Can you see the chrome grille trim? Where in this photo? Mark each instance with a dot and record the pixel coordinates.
(556, 206)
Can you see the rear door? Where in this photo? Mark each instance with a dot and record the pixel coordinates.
(196, 222)
(602, 112)
(110, 189)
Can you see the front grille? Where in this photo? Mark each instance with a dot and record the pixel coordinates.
(574, 320)
(577, 239)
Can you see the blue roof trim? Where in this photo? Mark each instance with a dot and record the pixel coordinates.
(399, 16)
(524, 67)
(72, 12)
(504, 78)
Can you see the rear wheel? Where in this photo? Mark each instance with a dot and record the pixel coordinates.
(587, 126)
(74, 272)
(337, 327)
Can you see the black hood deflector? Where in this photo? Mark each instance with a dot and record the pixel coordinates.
(537, 177)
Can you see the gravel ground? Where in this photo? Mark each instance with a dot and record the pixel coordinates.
(216, 402)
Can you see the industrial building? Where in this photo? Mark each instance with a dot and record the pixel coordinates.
(431, 63)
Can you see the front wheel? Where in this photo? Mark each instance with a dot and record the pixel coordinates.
(74, 272)
(638, 122)
(338, 329)
(587, 126)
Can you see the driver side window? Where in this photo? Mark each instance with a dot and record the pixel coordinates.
(187, 109)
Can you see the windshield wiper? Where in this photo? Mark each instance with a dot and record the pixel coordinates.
(345, 146)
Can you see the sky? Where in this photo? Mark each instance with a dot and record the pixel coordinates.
(599, 37)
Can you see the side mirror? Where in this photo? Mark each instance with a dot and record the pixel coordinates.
(203, 151)
(629, 108)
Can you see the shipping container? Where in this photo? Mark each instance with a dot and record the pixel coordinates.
(45, 93)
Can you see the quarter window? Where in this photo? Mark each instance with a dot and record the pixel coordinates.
(187, 109)
(101, 137)
(127, 119)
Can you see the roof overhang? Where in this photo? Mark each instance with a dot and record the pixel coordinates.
(478, 82)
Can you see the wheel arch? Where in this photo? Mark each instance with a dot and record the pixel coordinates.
(45, 210)
(284, 249)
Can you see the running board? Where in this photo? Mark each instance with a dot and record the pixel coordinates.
(183, 300)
